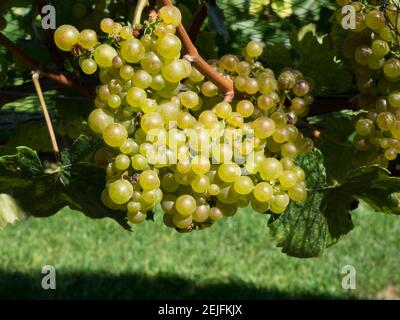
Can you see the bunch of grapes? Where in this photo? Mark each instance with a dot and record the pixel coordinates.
(172, 139)
(373, 47)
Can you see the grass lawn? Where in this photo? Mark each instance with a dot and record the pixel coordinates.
(234, 259)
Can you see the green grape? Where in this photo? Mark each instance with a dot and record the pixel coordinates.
(139, 162)
(209, 89)
(99, 120)
(286, 80)
(229, 172)
(395, 129)
(189, 99)
(133, 207)
(136, 97)
(114, 101)
(243, 68)
(364, 127)
(171, 15)
(202, 213)
(174, 71)
(107, 25)
(132, 50)
(122, 162)
(263, 127)
(265, 102)
(152, 196)
(245, 108)
(117, 62)
(229, 62)
(244, 185)
(375, 20)
(126, 33)
(390, 154)
(126, 72)
(213, 189)
(301, 88)
(391, 68)
(297, 193)
(65, 37)
(200, 164)
(87, 39)
(182, 221)
(136, 217)
(263, 192)
(208, 119)
(385, 121)
(120, 191)
(259, 206)
(168, 46)
(223, 110)
(185, 205)
(280, 200)
(270, 169)
(151, 63)
(288, 179)
(129, 147)
(375, 62)
(216, 214)
(142, 79)
(254, 49)
(251, 86)
(115, 135)
(149, 180)
(104, 55)
(195, 75)
(200, 184)
(89, 66)
(394, 99)
(380, 48)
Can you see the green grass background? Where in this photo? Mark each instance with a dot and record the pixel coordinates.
(235, 258)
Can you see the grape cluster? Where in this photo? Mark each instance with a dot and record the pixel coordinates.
(171, 138)
(373, 48)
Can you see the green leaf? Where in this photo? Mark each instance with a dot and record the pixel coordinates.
(216, 21)
(336, 145)
(278, 56)
(283, 8)
(314, 50)
(42, 192)
(307, 228)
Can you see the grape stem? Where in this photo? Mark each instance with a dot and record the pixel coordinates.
(65, 79)
(36, 82)
(192, 55)
(141, 4)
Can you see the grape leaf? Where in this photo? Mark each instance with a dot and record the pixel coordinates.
(42, 192)
(216, 21)
(307, 228)
(335, 144)
(314, 50)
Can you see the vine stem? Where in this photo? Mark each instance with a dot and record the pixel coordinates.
(141, 4)
(192, 55)
(36, 82)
